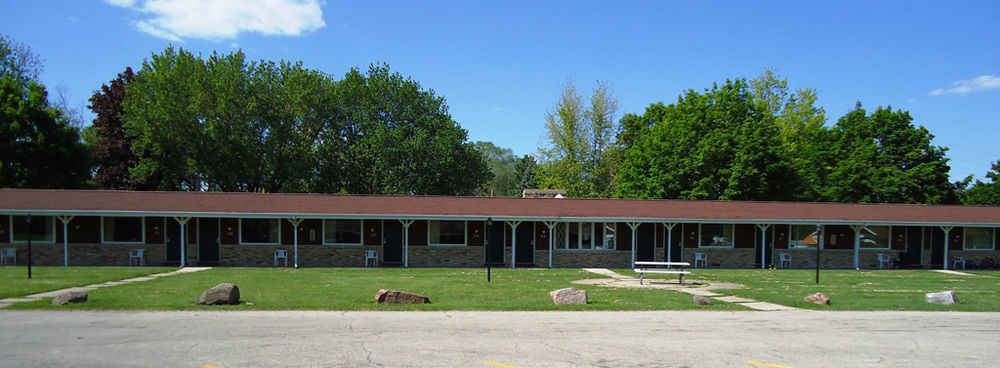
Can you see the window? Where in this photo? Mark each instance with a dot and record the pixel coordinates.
(342, 232)
(123, 230)
(446, 232)
(42, 229)
(803, 236)
(585, 235)
(979, 238)
(259, 231)
(875, 237)
(559, 235)
(608, 241)
(716, 235)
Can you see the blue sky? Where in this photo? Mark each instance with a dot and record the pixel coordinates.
(501, 65)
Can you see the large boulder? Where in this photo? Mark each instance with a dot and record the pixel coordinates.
(569, 295)
(384, 296)
(817, 298)
(941, 297)
(69, 297)
(224, 293)
(701, 300)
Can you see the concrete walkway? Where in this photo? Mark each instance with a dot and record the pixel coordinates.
(708, 290)
(951, 272)
(52, 294)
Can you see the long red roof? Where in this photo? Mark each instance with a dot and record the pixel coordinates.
(83, 202)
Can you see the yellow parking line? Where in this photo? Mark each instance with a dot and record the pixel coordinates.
(500, 365)
(209, 366)
(765, 364)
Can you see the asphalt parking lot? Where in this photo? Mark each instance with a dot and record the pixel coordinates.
(498, 339)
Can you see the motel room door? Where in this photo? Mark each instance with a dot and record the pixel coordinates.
(937, 247)
(173, 243)
(392, 242)
(525, 244)
(494, 243)
(914, 246)
(768, 246)
(645, 249)
(208, 241)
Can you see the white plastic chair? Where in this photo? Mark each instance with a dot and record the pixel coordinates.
(136, 257)
(784, 259)
(701, 257)
(883, 260)
(371, 255)
(8, 253)
(282, 255)
(958, 261)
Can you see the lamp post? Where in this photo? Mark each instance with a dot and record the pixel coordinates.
(489, 236)
(819, 244)
(29, 245)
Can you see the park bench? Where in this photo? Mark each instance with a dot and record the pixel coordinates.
(671, 268)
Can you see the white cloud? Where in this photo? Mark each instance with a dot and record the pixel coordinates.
(963, 87)
(176, 20)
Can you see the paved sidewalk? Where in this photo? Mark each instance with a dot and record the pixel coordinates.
(709, 290)
(52, 294)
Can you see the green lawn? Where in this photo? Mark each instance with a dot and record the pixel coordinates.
(860, 289)
(354, 289)
(14, 281)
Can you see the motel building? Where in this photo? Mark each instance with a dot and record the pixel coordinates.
(118, 228)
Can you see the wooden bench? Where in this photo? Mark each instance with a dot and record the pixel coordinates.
(643, 267)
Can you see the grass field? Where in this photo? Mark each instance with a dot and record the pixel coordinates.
(860, 289)
(14, 281)
(354, 289)
(510, 290)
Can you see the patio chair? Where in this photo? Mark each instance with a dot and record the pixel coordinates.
(784, 260)
(701, 257)
(136, 257)
(282, 255)
(8, 253)
(883, 260)
(371, 255)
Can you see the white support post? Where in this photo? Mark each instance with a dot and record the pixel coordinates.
(633, 226)
(183, 221)
(513, 241)
(552, 239)
(947, 236)
(65, 221)
(670, 239)
(295, 235)
(857, 243)
(406, 241)
(763, 246)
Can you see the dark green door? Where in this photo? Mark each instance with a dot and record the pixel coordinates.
(392, 242)
(208, 241)
(173, 253)
(494, 243)
(645, 240)
(914, 246)
(525, 244)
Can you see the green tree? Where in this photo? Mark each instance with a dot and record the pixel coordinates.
(801, 128)
(226, 124)
(982, 193)
(18, 62)
(38, 146)
(885, 158)
(393, 137)
(580, 155)
(711, 145)
(501, 163)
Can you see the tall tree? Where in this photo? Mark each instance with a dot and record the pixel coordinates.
(112, 147)
(581, 140)
(38, 146)
(225, 123)
(711, 145)
(18, 62)
(501, 163)
(982, 193)
(801, 128)
(394, 137)
(885, 158)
